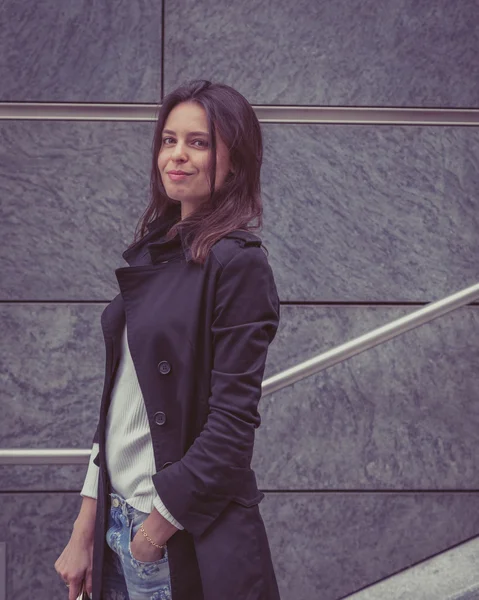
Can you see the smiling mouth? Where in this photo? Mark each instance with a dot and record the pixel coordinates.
(178, 176)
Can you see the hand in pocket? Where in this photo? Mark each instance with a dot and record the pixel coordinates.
(143, 551)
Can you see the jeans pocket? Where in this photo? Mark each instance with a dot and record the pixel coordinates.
(113, 535)
(146, 567)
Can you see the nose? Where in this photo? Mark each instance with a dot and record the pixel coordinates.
(179, 152)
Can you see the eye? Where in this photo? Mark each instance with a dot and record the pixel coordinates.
(165, 140)
(203, 144)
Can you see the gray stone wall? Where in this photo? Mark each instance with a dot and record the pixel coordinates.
(368, 467)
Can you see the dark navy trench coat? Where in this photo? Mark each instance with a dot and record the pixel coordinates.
(198, 336)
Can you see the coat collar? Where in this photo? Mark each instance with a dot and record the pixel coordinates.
(162, 224)
(153, 248)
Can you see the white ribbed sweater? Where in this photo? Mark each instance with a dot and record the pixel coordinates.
(129, 449)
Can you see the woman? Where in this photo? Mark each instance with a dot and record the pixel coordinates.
(170, 503)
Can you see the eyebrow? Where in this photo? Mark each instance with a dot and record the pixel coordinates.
(190, 133)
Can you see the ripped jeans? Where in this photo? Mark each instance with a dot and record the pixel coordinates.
(124, 577)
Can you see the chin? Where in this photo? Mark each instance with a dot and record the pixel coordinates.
(175, 196)
(172, 192)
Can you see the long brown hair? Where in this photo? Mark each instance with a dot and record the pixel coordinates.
(238, 200)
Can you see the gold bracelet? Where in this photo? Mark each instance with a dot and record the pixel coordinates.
(149, 538)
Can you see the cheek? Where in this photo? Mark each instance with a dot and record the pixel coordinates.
(202, 170)
(223, 165)
(161, 161)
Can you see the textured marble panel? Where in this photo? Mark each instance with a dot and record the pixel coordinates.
(323, 545)
(371, 213)
(52, 360)
(403, 415)
(472, 594)
(450, 575)
(71, 196)
(43, 478)
(351, 212)
(389, 53)
(89, 51)
(326, 546)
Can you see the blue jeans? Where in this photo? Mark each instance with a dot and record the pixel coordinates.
(124, 577)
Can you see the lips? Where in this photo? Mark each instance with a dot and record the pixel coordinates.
(178, 173)
(175, 176)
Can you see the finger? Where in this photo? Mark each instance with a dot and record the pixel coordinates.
(58, 566)
(89, 583)
(74, 590)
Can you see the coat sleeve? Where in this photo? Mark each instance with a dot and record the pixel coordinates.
(216, 467)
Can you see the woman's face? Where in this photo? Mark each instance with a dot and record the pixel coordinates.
(186, 147)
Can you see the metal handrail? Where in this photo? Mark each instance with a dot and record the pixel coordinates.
(370, 340)
(285, 378)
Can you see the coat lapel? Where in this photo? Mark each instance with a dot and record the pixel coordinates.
(150, 249)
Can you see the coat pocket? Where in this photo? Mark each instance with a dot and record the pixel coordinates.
(247, 493)
(249, 500)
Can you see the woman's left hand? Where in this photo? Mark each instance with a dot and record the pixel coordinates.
(142, 550)
(159, 530)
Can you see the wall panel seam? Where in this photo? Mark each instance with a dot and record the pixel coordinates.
(318, 303)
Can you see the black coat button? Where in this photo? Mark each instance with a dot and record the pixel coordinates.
(164, 367)
(160, 418)
(166, 464)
